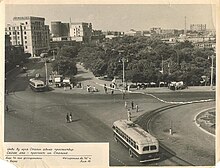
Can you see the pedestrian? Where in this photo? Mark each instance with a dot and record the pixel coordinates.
(132, 105)
(6, 108)
(70, 117)
(105, 88)
(136, 108)
(112, 91)
(126, 104)
(129, 115)
(67, 118)
(123, 94)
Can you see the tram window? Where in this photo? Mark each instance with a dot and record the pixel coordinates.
(153, 147)
(146, 148)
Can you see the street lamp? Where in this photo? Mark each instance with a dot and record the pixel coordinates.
(45, 63)
(123, 60)
(212, 71)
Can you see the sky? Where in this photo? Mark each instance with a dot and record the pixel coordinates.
(119, 17)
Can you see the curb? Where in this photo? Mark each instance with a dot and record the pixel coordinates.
(199, 125)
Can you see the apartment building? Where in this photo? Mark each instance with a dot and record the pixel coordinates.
(81, 32)
(198, 27)
(30, 32)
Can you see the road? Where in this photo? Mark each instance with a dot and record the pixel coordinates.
(40, 117)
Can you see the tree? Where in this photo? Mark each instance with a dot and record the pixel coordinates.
(65, 66)
(69, 51)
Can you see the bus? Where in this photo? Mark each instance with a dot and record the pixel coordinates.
(140, 143)
(37, 85)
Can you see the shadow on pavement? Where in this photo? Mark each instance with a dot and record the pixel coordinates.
(82, 79)
(80, 72)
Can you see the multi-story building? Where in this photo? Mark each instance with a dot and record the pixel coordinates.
(155, 30)
(198, 27)
(31, 33)
(81, 32)
(59, 29)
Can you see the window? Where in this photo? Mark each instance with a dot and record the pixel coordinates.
(25, 42)
(26, 47)
(17, 27)
(9, 28)
(26, 23)
(146, 148)
(9, 33)
(153, 147)
(13, 33)
(25, 32)
(25, 37)
(18, 33)
(24, 27)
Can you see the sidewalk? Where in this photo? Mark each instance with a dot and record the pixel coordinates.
(86, 77)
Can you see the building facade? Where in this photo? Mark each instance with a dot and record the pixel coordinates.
(59, 29)
(81, 32)
(198, 27)
(31, 33)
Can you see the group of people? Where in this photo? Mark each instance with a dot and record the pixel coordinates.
(112, 88)
(133, 106)
(69, 118)
(91, 88)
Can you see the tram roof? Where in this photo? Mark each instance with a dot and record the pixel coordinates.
(135, 132)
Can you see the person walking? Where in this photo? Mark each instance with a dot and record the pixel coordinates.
(132, 105)
(67, 118)
(129, 115)
(6, 108)
(136, 108)
(126, 104)
(70, 117)
(105, 88)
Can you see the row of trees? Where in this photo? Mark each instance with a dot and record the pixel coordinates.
(14, 55)
(147, 60)
(65, 62)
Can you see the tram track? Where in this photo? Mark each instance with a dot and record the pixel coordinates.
(145, 120)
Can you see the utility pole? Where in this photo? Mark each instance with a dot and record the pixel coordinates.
(212, 71)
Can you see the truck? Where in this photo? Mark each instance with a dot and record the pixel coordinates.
(58, 79)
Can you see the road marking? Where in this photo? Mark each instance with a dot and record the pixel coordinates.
(118, 160)
(199, 125)
(161, 100)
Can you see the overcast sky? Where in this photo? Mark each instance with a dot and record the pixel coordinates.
(118, 17)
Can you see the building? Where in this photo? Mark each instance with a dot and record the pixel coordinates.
(59, 29)
(7, 41)
(31, 33)
(155, 30)
(81, 32)
(133, 32)
(198, 27)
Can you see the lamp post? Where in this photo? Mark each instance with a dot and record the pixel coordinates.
(45, 63)
(212, 71)
(123, 67)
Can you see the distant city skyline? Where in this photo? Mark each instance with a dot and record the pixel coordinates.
(119, 17)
